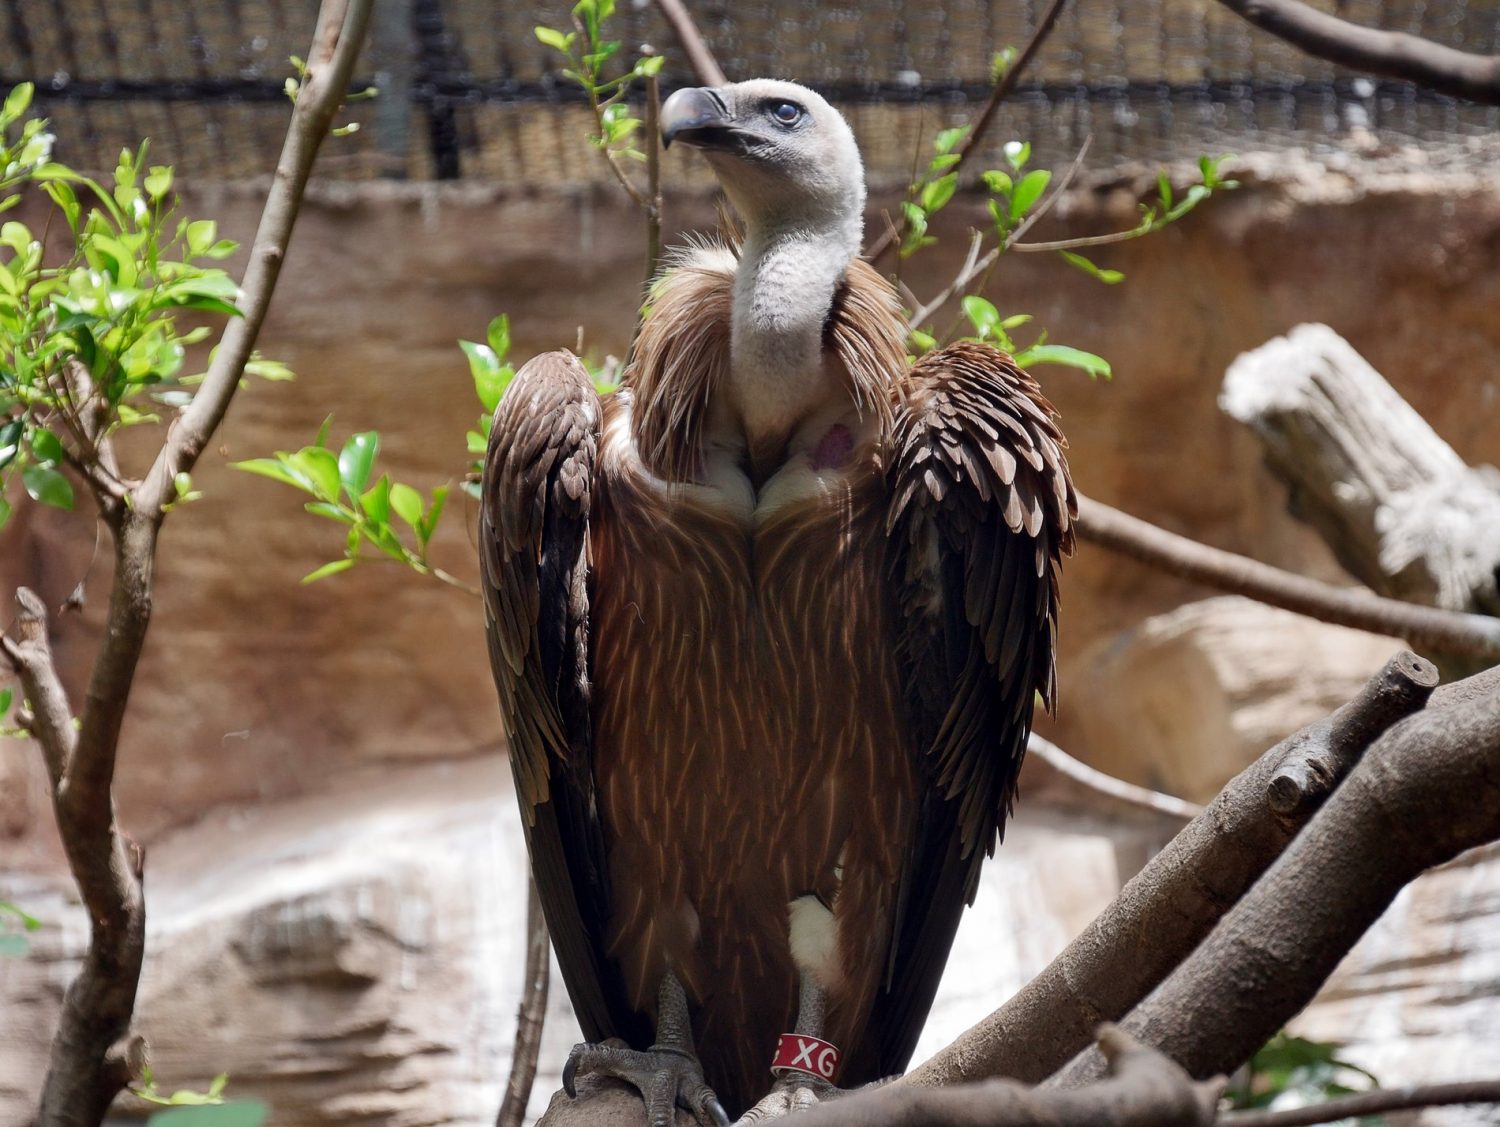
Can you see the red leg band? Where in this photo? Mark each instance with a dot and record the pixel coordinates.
(797, 1052)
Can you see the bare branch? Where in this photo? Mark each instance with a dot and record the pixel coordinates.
(341, 31)
(1424, 627)
(1370, 1103)
(1176, 899)
(653, 172)
(1142, 1088)
(51, 717)
(702, 59)
(1408, 805)
(892, 235)
(529, 1018)
(1391, 53)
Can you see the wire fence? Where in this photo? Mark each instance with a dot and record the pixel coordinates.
(467, 91)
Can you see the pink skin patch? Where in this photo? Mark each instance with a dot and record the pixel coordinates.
(833, 448)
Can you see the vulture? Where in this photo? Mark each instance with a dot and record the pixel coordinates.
(768, 624)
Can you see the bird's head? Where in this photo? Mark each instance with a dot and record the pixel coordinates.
(784, 156)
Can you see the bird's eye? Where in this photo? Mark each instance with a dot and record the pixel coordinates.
(786, 113)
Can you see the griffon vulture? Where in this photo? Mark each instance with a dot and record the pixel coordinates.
(767, 626)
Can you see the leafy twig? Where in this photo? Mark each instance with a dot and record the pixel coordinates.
(1370, 1103)
(981, 125)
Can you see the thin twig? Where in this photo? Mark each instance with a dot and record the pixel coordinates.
(981, 124)
(530, 1016)
(973, 267)
(699, 56)
(653, 171)
(1370, 1103)
(1423, 627)
(1393, 53)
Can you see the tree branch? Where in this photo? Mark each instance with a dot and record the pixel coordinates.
(892, 235)
(1142, 1089)
(1394, 54)
(50, 718)
(1424, 627)
(704, 65)
(530, 1016)
(1412, 802)
(1370, 1103)
(1180, 896)
(89, 1059)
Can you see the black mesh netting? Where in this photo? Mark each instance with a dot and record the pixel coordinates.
(466, 90)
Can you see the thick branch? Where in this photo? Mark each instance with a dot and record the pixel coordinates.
(1370, 1103)
(1391, 53)
(530, 1016)
(1142, 1088)
(702, 59)
(88, 1064)
(1415, 800)
(341, 31)
(1424, 627)
(1179, 897)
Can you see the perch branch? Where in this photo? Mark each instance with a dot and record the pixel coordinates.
(1409, 804)
(1179, 897)
(1394, 54)
(892, 235)
(1423, 627)
(1142, 1088)
(89, 1062)
(699, 56)
(1370, 1103)
(50, 718)
(530, 1016)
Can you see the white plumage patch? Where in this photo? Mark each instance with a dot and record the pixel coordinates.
(814, 936)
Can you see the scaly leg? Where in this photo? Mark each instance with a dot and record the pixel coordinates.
(804, 1081)
(667, 1075)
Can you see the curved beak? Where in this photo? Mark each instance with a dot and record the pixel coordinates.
(698, 115)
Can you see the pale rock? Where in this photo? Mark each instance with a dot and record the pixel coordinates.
(1184, 701)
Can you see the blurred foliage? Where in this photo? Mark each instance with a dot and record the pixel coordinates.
(1292, 1072)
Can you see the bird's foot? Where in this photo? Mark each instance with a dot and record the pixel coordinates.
(666, 1078)
(793, 1091)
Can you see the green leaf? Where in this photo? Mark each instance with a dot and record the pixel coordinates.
(948, 139)
(490, 376)
(1108, 277)
(982, 314)
(201, 234)
(650, 66)
(273, 469)
(328, 569)
(377, 502)
(241, 1113)
(17, 102)
(551, 37)
(322, 438)
(28, 921)
(6, 696)
(1066, 356)
(1028, 190)
(47, 486)
(10, 441)
(158, 182)
(497, 334)
(920, 343)
(322, 470)
(46, 447)
(428, 524)
(1164, 190)
(407, 503)
(938, 192)
(1017, 153)
(356, 460)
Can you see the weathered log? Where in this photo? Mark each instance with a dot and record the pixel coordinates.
(1399, 508)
